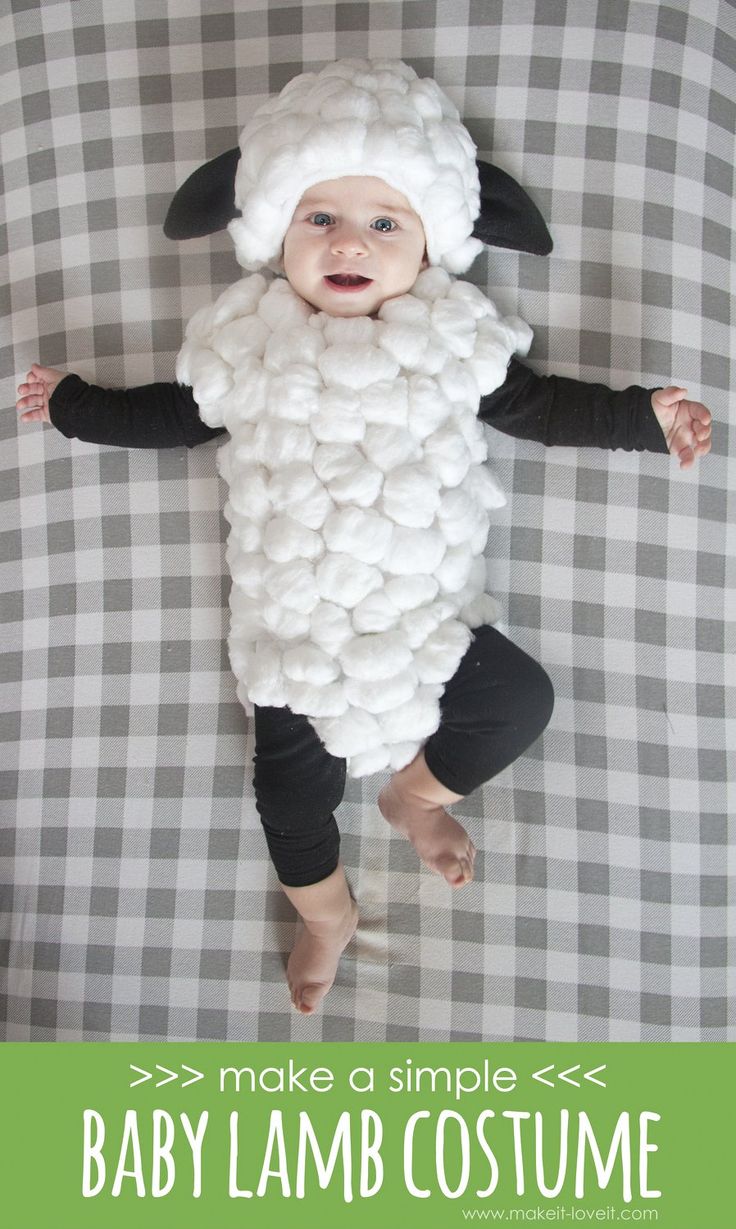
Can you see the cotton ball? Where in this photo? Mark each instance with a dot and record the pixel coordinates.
(245, 618)
(292, 584)
(408, 592)
(240, 299)
(246, 533)
(388, 446)
(432, 283)
(330, 626)
(365, 535)
(378, 695)
(238, 405)
(454, 570)
(486, 488)
(353, 732)
(294, 395)
(346, 581)
(300, 346)
(360, 485)
(305, 663)
(318, 701)
(210, 378)
(246, 400)
(481, 611)
(282, 308)
(473, 298)
(242, 695)
(265, 685)
(404, 309)
(249, 492)
(459, 384)
(418, 624)
(417, 718)
(476, 583)
(296, 489)
(387, 401)
(410, 496)
(240, 655)
(348, 330)
(242, 444)
(379, 656)
(479, 538)
(446, 455)
(401, 754)
(456, 325)
(284, 624)
(414, 550)
(278, 442)
(471, 429)
(285, 539)
(458, 515)
(247, 570)
(224, 464)
(490, 360)
(334, 460)
(442, 652)
(369, 762)
(199, 329)
(235, 341)
(410, 345)
(338, 418)
(376, 613)
(429, 408)
(356, 366)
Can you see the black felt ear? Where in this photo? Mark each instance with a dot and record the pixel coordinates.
(508, 216)
(205, 202)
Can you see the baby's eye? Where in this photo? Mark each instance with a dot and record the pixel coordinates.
(317, 216)
(386, 229)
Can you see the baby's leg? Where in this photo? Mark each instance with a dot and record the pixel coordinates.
(414, 803)
(496, 705)
(298, 785)
(330, 917)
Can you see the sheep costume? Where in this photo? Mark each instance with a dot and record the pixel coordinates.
(359, 494)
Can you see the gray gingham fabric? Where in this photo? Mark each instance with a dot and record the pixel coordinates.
(138, 901)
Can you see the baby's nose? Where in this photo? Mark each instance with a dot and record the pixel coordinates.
(347, 239)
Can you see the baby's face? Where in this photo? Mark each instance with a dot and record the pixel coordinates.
(353, 225)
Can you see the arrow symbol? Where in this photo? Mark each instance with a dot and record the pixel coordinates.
(145, 1075)
(199, 1075)
(565, 1075)
(171, 1075)
(539, 1075)
(590, 1075)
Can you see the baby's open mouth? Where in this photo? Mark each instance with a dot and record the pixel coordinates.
(347, 279)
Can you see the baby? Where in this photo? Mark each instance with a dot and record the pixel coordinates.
(353, 386)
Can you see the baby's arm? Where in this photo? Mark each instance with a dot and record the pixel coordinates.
(558, 410)
(150, 416)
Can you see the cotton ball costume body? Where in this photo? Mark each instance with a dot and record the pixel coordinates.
(359, 494)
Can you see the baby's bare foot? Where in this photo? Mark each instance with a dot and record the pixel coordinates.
(441, 842)
(315, 956)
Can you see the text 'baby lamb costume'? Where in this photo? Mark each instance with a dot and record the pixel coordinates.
(358, 490)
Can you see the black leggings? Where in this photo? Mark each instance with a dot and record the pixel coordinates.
(495, 705)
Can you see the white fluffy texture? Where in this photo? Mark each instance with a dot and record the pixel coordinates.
(359, 117)
(359, 500)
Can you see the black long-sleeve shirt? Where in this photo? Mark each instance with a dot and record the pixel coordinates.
(549, 409)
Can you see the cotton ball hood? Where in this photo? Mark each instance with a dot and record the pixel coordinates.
(358, 117)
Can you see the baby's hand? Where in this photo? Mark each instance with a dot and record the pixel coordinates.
(33, 402)
(686, 424)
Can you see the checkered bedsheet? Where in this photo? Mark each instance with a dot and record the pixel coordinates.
(137, 900)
